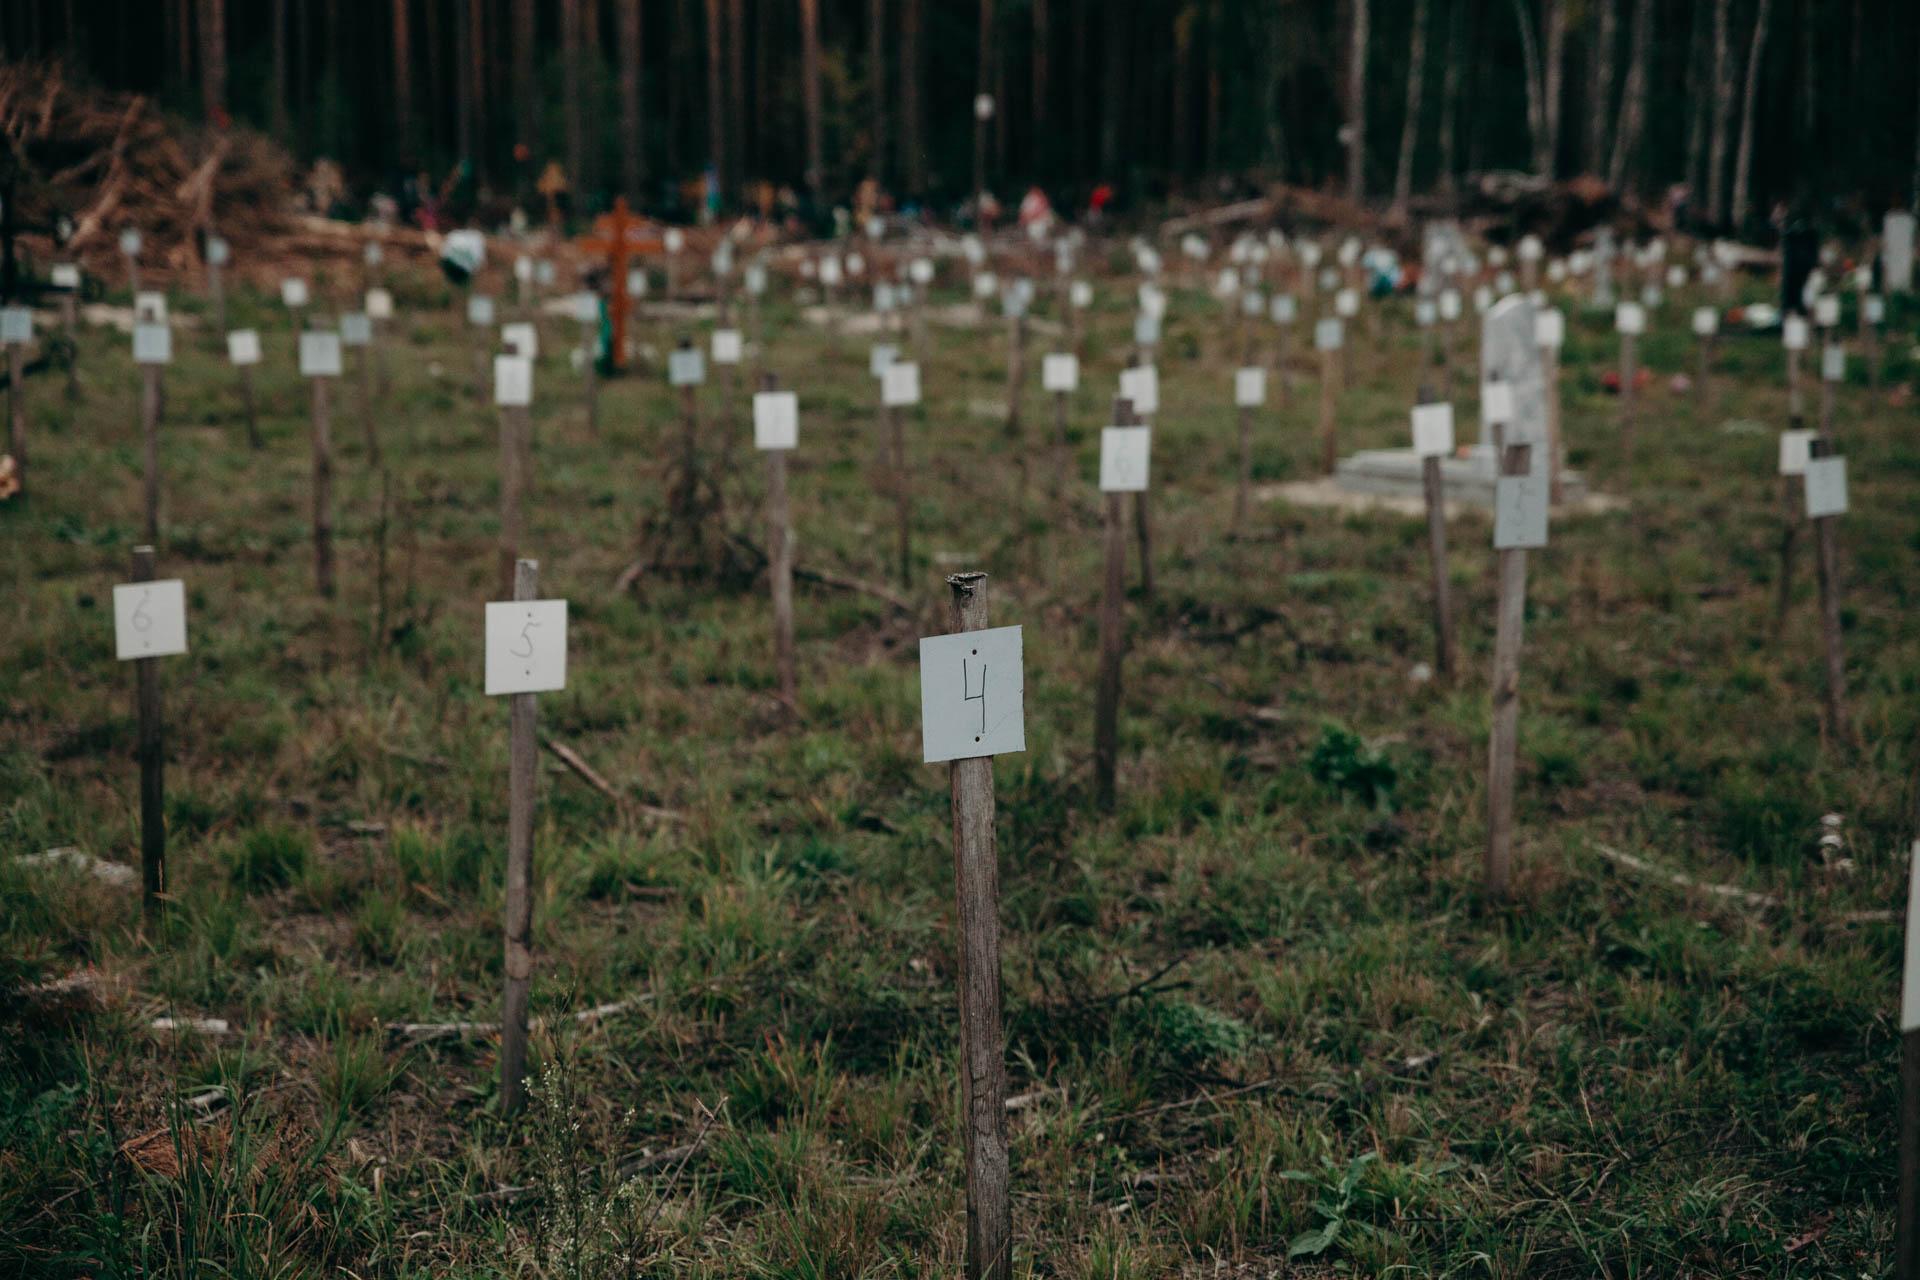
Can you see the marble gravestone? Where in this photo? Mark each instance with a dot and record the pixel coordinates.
(1510, 354)
(1896, 250)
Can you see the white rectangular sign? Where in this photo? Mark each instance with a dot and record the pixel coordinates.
(726, 346)
(1630, 318)
(1141, 385)
(152, 344)
(882, 356)
(243, 346)
(1519, 512)
(1706, 322)
(1796, 448)
(1549, 329)
(900, 385)
(1496, 403)
(1249, 387)
(512, 380)
(379, 304)
(16, 325)
(686, 367)
(1327, 335)
(480, 311)
(972, 695)
(1060, 372)
(522, 338)
(1910, 987)
(150, 304)
(1826, 487)
(776, 420)
(356, 330)
(1794, 333)
(1833, 363)
(526, 646)
(320, 354)
(1433, 430)
(150, 619)
(293, 292)
(1126, 453)
(65, 275)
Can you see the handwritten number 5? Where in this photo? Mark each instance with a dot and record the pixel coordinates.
(528, 652)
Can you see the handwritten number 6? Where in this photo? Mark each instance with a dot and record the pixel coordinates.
(141, 620)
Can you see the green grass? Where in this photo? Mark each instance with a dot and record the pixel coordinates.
(1269, 1022)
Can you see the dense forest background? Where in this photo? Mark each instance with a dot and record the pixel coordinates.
(1746, 101)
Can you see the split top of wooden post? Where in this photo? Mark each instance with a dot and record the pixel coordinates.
(142, 563)
(1516, 460)
(969, 599)
(526, 579)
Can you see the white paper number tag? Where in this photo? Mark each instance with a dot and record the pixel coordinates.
(1706, 322)
(293, 292)
(149, 619)
(1910, 988)
(1141, 385)
(65, 275)
(880, 358)
(726, 346)
(526, 646)
(1346, 303)
(1630, 318)
(320, 354)
(1283, 308)
(686, 367)
(1826, 487)
(512, 380)
(1519, 512)
(900, 385)
(243, 346)
(152, 344)
(1060, 372)
(356, 329)
(1433, 430)
(16, 325)
(480, 311)
(1833, 363)
(1549, 329)
(379, 304)
(1496, 403)
(150, 304)
(1796, 448)
(1873, 307)
(1126, 453)
(1327, 335)
(776, 420)
(522, 338)
(1826, 310)
(1249, 387)
(972, 695)
(1793, 332)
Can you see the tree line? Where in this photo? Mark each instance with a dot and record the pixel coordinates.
(1746, 102)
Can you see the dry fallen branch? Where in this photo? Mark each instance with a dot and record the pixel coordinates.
(591, 776)
(422, 1032)
(1680, 880)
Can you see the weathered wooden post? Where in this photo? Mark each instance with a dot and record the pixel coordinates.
(1706, 327)
(480, 314)
(1140, 385)
(1833, 371)
(1249, 393)
(1014, 304)
(130, 250)
(1285, 312)
(379, 308)
(1126, 450)
(1060, 375)
(674, 240)
(776, 430)
(1906, 1255)
(513, 395)
(152, 351)
(1826, 485)
(1630, 319)
(1433, 442)
(243, 352)
(16, 331)
(1449, 307)
(1796, 449)
(971, 707)
(1873, 313)
(526, 654)
(356, 332)
(587, 312)
(1520, 522)
(294, 296)
(754, 280)
(1794, 336)
(218, 252)
(727, 349)
(320, 363)
(149, 623)
(686, 371)
(65, 276)
(1328, 338)
(900, 390)
(1079, 300)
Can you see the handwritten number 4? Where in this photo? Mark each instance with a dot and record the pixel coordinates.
(980, 697)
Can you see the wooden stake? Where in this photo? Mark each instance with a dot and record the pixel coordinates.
(69, 321)
(17, 413)
(902, 490)
(1827, 561)
(1550, 372)
(150, 437)
(1704, 390)
(1016, 380)
(1791, 507)
(1062, 454)
(1826, 400)
(153, 810)
(1433, 486)
(322, 488)
(363, 391)
(514, 432)
(1243, 492)
(523, 746)
(1793, 382)
(1106, 713)
(780, 564)
(1629, 356)
(1506, 699)
(983, 1059)
(1282, 368)
(247, 402)
(217, 293)
(1329, 443)
(1906, 1256)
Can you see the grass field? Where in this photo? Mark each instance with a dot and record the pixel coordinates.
(1262, 1007)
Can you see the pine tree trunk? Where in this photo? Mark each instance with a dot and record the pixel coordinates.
(1743, 158)
(633, 158)
(1552, 87)
(436, 79)
(810, 92)
(1079, 26)
(277, 105)
(526, 102)
(913, 160)
(1696, 100)
(1357, 104)
(1633, 99)
(463, 91)
(570, 99)
(1530, 76)
(741, 139)
(877, 86)
(1450, 97)
(402, 83)
(1600, 101)
(1410, 125)
(1114, 74)
(716, 100)
(1216, 37)
(1182, 74)
(213, 59)
(983, 84)
(476, 81)
(1043, 151)
(1722, 114)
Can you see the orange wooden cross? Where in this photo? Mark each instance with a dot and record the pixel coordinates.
(620, 236)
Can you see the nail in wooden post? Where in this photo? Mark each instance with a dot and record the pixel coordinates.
(1433, 486)
(1106, 713)
(322, 486)
(1827, 562)
(1506, 699)
(983, 1061)
(153, 814)
(521, 753)
(1906, 1255)
(780, 564)
(150, 441)
(515, 428)
(17, 413)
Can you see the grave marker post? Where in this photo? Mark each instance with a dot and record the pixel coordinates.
(18, 325)
(1515, 476)
(1706, 326)
(1328, 338)
(1106, 712)
(522, 747)
(513, 395)
(1906, 1257)
(1824, 510)
(1629, 370)
(1432, 441)
(779, 550)
(243, 352)
(152, 358)
(322, 417)
(149, 750)
(1249, 392)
